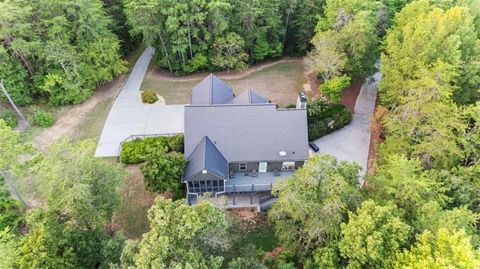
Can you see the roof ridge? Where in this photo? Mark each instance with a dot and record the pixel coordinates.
(210, 89)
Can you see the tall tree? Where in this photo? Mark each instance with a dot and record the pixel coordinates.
(443, 249)
(373, 235)
(197, 244)
(313, 202)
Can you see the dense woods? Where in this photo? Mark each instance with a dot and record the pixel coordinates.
(222, 34)
(59, 51)
(418, 209)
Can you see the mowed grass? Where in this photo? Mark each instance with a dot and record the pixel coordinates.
(280, 83)
(261, 236)
(92, 125)
(131, 215)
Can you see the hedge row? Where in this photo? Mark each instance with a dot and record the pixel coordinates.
(135, 151)
(324, 118)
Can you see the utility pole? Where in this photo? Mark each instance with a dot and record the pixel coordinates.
(13, 189)
(11, 102)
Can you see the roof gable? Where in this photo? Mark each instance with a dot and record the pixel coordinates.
(211, 90)
(249, 97)
(207, 157)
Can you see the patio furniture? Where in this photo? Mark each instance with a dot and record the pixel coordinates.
(254, 173)
(276, 173)
(231, 174)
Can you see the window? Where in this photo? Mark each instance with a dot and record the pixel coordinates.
(262, 167)
(288, 166)
(242, 167)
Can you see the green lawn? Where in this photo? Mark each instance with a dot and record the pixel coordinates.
(280, 83)
(92, 125)
(131, 215)
(262, 236)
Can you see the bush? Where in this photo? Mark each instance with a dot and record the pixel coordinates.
(42, 118)
(135, 151)
(11, 212)
(324, 119)
(163, 171)
(291, 106)
(149, 96)
(332, 89)
(9, 118)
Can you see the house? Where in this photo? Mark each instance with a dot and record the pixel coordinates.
(239, 146)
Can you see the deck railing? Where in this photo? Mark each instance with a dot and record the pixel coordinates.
(248, 188)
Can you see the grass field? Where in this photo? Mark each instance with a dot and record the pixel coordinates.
(280, 83)
(131, 215)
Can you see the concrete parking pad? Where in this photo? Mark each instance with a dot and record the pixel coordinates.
(352, 142)
(129, 116)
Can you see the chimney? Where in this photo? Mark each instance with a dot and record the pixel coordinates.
(302, 101)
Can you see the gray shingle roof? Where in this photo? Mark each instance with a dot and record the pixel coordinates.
(206, 156)
(254, 132)
(211, 90)
(249, 97)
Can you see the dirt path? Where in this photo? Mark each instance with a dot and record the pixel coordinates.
(72, 116)
(225, 74)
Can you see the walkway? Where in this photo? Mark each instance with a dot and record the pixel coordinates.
(352, 142)
(129, 116)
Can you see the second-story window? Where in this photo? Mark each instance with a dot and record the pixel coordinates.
(242, 167)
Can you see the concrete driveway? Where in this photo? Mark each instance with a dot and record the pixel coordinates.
(352, 142)
(129, 116)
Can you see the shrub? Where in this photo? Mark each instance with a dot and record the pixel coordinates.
(162, 171)
(291, 106)
(324, 119)
(9, 118)
(10, 209)
(135, 151)
(42, 118)
(149, 96)
(332, 89)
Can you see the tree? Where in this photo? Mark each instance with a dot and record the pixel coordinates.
(229, 52)
(326, 60)
(414, 45)
(15, 78)
(59, 43)
(347, 30)
(78, 194)
(11, 148)
(313, 202)
(403, 182)
(372, 236)
(163, 171)
(443, 249)
(197, 244)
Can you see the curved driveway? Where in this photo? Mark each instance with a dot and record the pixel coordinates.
(352, 142)
(129, 116)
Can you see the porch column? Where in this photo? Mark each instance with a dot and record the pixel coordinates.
(233, 194)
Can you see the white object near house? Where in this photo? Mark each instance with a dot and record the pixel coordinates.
(262, 168)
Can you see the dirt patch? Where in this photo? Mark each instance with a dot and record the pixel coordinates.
(248, 216)
(376, 138)
(72, 116)
(349, 95)
(274, 253)
(313, 85)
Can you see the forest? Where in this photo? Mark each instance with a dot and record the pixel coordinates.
(419, 207)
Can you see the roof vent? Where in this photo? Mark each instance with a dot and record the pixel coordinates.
(204, 171)
(282, 153)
